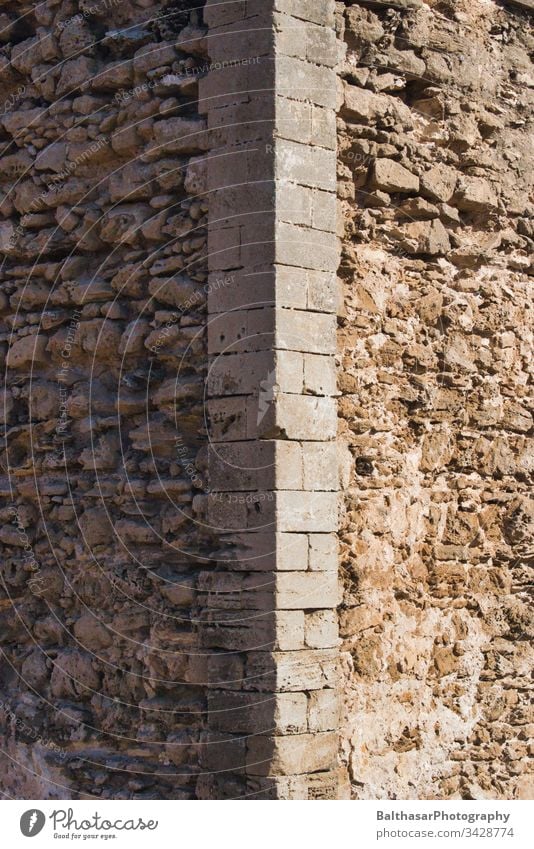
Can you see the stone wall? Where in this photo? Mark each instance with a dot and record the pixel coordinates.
(435, 168)
(103, 303)
(174, 438)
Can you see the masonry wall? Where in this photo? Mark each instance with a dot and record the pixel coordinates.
(435, 363)
(103, 304)
(175, 442)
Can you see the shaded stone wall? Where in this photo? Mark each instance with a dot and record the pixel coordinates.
(103, 303)
(435, 169)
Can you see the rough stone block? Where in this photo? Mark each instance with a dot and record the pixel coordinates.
(390, 176)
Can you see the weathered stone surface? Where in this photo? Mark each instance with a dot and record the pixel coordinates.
(392, 177)
(434, 362)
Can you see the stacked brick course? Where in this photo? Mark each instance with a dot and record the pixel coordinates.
(271, 602)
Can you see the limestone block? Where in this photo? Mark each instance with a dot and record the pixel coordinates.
(300, 330)
(307, 511)
(323, 710)
(241, 511)
(320, 376)
(240, 374)
(305, 591)
(249, 466)
(221, 752)
(320, 465)
(323, 552)
(291, 754)
(321, 626)
(301, 417)
(308, 10)
(265, 551)
(291, 671)
(254, 713)
(305, 165)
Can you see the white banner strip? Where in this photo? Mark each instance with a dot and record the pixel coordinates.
(315, 825)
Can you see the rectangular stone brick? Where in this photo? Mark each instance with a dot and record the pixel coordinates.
(227, 418)
(309, 10)
(234, 630)
(305, 591)
(226, 671)
(236, 591)
(265, 551)
(324, 129)
(324, 211)
(305, 165)
(230, 85)
(256, 465)
(323, 710)
(241, 510)
(218, 13)
(291, 671)
(302, 80)
(252, 288)
(292, 754)
(223, 752)
(320, 375)
(233, 205)
(240, 374)
(289, 374)
(307, 511)
(301, 417)
(323, 552)
(306, 248)
(250, 630)
(253, 713)
(321, 462)
(293, 120)
(224, 248)
(300, 330)
(321, 627)
(231, 45)
(323, 291)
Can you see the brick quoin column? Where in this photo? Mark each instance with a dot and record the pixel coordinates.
(269, 605)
